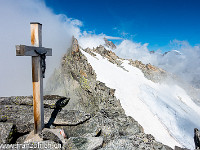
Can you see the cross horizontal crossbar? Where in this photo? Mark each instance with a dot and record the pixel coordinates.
(23, 50)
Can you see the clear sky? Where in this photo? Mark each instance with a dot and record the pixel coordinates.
(156, 22)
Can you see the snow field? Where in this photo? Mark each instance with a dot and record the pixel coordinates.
(165, 111)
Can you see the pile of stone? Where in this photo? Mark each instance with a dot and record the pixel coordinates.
(107, 129)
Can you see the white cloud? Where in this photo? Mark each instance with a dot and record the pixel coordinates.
(91, 40)
(113, 38)
(57, 30)
(15, 77)
(131, 50)
(183, 60)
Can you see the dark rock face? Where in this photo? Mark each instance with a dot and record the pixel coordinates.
(197, 138)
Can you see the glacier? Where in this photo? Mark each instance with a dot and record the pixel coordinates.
(164, 110)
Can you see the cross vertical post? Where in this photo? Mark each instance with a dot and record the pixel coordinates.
(37, 79)
(38, 54)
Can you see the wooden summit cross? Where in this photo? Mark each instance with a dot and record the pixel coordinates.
(38, 54)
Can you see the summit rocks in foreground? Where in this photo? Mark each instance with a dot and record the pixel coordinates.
(76, 79)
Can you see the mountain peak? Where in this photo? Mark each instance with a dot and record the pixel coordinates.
(74, 46)
(109, 44)
(110, 88)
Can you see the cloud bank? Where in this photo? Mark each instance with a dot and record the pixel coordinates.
(183, 60)
(57, 30)
(16, 76)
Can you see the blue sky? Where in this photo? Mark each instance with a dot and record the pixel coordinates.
(156, 22)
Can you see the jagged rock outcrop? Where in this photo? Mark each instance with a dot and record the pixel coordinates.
(109, 44)
(76, 79)
(111, 56)
(151, 72)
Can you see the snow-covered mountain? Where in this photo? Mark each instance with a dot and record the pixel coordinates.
(149, 95)
(164, 110)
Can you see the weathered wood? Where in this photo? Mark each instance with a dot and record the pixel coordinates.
(37, 79)
(38, 54)
(23, 50)
(36, 34)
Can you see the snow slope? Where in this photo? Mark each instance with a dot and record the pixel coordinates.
(165, 111)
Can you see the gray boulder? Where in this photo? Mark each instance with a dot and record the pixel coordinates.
(71, 117)
(82, 143)
(52, 134)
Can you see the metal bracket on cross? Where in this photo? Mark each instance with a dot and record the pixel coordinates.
(38, 54)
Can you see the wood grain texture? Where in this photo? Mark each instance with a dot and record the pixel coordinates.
(37, 79)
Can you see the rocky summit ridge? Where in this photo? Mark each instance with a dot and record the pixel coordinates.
(151, 72)
(87, 111)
